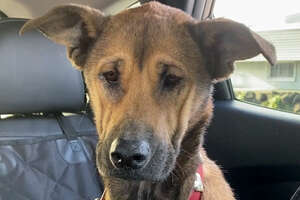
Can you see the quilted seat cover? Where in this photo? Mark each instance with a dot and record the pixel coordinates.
(41, 164)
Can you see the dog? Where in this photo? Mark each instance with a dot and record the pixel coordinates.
(150, 73)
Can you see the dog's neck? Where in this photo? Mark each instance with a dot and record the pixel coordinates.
(179, 184)
(176, 187)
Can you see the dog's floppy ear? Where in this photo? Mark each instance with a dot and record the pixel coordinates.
(72, 25)
(223, 41)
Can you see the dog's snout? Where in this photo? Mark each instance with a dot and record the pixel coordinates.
(129, 154)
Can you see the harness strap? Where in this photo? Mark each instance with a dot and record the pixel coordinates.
(198, 188)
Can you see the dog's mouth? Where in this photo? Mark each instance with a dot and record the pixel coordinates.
(158, 167)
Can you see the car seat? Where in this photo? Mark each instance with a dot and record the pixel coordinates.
(45, 154)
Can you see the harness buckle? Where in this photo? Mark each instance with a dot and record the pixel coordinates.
(198, 184)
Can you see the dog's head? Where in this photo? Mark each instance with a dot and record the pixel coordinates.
(149, 72)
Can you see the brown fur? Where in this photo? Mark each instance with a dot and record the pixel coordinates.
(140, 45)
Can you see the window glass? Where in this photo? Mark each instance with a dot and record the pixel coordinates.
(254, 80)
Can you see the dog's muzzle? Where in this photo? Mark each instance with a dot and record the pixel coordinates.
(134, 152)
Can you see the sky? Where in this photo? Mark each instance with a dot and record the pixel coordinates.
(259, 15)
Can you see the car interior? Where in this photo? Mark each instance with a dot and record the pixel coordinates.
(44, 105)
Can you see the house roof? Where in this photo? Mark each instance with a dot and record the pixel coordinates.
(287, 43)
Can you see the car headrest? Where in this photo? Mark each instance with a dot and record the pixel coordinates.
(35, 74)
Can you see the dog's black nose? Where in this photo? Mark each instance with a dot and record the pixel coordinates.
(129, 154)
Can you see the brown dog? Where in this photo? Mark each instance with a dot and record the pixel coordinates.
(150, 73)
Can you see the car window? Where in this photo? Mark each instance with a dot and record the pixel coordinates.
(254, 80)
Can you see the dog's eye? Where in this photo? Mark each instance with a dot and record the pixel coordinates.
(111, 76)
(171, 80)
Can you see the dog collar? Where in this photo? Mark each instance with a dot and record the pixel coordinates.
(197, 190)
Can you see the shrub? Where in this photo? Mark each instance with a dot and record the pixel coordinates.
(283, 100)
(275, 102)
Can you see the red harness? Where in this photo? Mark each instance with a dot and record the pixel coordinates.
(196, 194)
